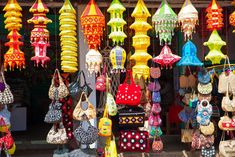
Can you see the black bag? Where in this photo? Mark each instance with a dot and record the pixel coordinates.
(76, 89)
(131, 117)
(54, 114)
(208, 152)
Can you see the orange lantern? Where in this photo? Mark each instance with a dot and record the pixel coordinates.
(232, 20)
(14, 57)
(39, 35)
(214, 16)
(93, 23)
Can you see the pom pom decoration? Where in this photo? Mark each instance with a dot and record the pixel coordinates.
(14, 57)
(232, 20)
(166, 58)
(93, 61)
(214, 16)
(141, 40)
(116, 22)
(68, 38)
(188, 18)
(189, 55)
(93, 23)
(118, 58)
(165, 21)
(215, 44)
(39, 35)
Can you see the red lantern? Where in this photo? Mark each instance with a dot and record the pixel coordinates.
(214, 16)
(39, 35)
(93, 23)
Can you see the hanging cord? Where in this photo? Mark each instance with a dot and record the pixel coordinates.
(56, 42)
(226, 33)
(203, 48)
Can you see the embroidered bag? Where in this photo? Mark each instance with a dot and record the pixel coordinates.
(226, 123)
(157, 145)
(112, 106)
(204, 88)
(101, 81)
(7, 139)
(156, 108)
(154, 120)
(111, 148)
(128, 94)
(204, 112)
(156, 97)
(6, 96)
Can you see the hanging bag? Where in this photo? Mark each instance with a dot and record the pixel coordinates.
(57, 135)
(128, 94)
(5, 115)
(105, 125)
(157, 145)
(226, 147)
(203, 76)
(111, 148)
(101, 81)
(6, 96)
(208, 129)
(227, 104)
(186, 134)
(112, 106)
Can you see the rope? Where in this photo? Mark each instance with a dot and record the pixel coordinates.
(56, 43)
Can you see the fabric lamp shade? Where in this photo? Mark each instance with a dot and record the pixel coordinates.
(118, 58)
(93, 61)
(232, 20)
(189, 55)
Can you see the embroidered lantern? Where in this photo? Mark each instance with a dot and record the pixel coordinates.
(165, 21)
(214, 16)
(189, 55)
(141, 40)
(39, 35)
(118, 58)
(93, 23)
(68, 38)
(188, 18)
(166, 58)
(232, 20)
(215, 44)
(117, 22)
(93, 61)
(14, 57)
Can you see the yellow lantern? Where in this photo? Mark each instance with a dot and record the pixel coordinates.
(141, 40)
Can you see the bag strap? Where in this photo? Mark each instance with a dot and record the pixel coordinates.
(105, 115)
(84, 77)
(129, 73)
(223, 136)
(104, 70)
(225, 61)
(3, 77)
(107, 84)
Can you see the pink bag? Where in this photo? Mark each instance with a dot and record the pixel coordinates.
(154, 86)
(157, 145)
(154, 120)
(156, 108)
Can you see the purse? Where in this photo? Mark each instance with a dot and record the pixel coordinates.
(131, 117)
(156, 97)
(208, 152)
(134, 141)
(112, 106)
(61, 89)
(155, 131)
(79, 111)
(155, 72)
(186, 134)
(54, 113)
(88, 136)
(7, 139)
(157, 145)
(204, 88)
(76, 88)
(154, 120)
(226, 147)
(196, 143)
(203, 77)
(154, 86)
(207, 130)
(57, 135)
(227, 104)
(101, 81)
(204, 112)
(128, 94)
(183, 81)
(156, 108)
(226, 123)
(105, 125)
(5, 115)
(6, 96)
(111, 148)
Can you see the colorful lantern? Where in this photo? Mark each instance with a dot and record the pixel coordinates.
(189, 55)
(39, 35)
(117, 22)
(215, 44)
(214, 16)
(188, 18)
(68, 38)
(232, 20)
(165, 21)
(166, 58)
(141, 40)
(14, 57)
(118, 58)
(93, 23)
(93, 61)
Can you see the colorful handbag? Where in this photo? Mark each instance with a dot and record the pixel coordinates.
(206, 141)
(203, 77)
(157, 145)
(57, 135)
(156, 97)
(226, 123)
(6, 96)
(111, 148)
(134, 141)
(155, 72)
(5, 115)
(227, 104)
(61, 89)
(101, 81)
(154, 86)
(54, 113)
(105, 125)
(79, 111)
(128, 94)
(7, 139)
(196, 143)
(204, 88)
(112, 106)
(131, 117)
(204, 112)
(154, 120)
(156, 108)
(207, 130)
(208, 152)
(186, 134)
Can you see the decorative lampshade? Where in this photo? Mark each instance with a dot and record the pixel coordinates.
(14, 57)
(214, 16)
(189, 55)
(188, 18)
(39, 35)
(93, 23)
(93, 61)
(215, 44)
(165, 21)
(118, 58)
(166, 58)
(232, 20)
(117, 22)
(68, 38)
(141, 40)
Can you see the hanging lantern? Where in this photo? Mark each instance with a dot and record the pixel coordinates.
(141, 40)
(214, 16)
(68, 38)
(189, 55)
(118, 58)
(215, 44)
(39, 35)
(232, 20)
(233, 3)
(188, 18)
(117, 22)
(93, 23)
(166, 58)
(93, 61)
(165, 21)
(14, 57)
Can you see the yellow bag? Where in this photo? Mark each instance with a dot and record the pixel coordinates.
(105, 124)
(111, 148)
(11, 151)
(4, 128)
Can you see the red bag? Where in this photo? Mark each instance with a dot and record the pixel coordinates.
(134, 141)
(7, 139)
(128, 94)
(101, 81)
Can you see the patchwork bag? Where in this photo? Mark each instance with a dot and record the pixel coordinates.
(156, 97)
(57, 135)
(134, 141)
(6, 96)
(157, 145)
(227, 104)
(204, 77)
(54, 113)
(128, 94)
(208, 152)
(204, 88)
(204, 112)
(131, 117)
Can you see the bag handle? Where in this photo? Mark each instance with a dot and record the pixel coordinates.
(80, 101)
(54, 77)
(105, 115)
(225, 61)
(84, 77)
(107, 84)
(3, 77)
(129, 73)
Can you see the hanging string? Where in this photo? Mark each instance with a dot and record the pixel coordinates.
(203, 48)
(226, 33)
(56, 43)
